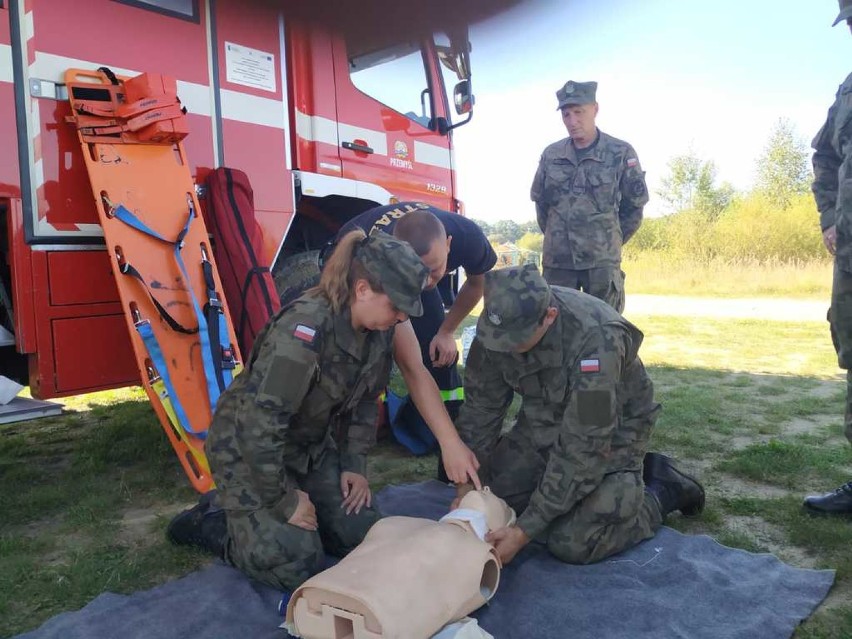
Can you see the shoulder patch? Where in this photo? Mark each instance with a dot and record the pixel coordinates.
(285, 383)
(637, 187)
(305, 333)
(631, 162)
(590, 365)
(594, 407)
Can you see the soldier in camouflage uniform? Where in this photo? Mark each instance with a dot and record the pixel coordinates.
(288, 442)
(572, 466)
(589, 192)
(832, 189)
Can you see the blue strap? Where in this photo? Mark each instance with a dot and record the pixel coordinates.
(131, 220)
(156, 354)
(123, 214)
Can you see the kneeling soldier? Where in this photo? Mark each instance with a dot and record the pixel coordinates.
(572, 466)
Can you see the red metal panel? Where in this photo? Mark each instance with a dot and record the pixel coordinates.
(313, 93)
(55, 356)
(124, 36)
(65, 198)
(92, 353)
(23, 287)
(198, 146)
(257, 149)
(111, 34)
(251, 25)
(10, 181)
(80, 278)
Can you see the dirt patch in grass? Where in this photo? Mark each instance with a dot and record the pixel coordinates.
(726, 485)
(771, 537)
(144, 526)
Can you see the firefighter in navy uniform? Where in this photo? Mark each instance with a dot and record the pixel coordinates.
(444, 241)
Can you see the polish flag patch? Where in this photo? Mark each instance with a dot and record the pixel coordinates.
(305, 333)
(631, 162)
(590, 366)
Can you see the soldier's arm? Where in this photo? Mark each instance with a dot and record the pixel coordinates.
(424, 391)
(487, 397)
(282, 374)
(360, 435)
(826, 164)
(537, 196)
(577, 462)
(634, 195)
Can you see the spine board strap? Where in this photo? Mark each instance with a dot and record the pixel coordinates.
(211, 374)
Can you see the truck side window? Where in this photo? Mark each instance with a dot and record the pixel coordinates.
(395, 76)
(186, 9)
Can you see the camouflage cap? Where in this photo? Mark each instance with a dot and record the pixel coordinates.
(400, 270)
(576, 93)
(845, 11)
(516, 299)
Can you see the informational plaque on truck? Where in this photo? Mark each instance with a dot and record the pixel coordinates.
(250, 67)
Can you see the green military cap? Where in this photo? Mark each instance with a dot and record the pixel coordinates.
(845, 11)
(576, 93)
(516, 299)
(400, 270)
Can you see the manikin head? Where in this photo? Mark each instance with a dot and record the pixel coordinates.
(497, 512)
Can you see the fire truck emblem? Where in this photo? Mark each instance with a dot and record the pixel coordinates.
(400, 150)
(400, 159)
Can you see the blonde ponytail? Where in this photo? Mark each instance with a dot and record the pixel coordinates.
(342, 270)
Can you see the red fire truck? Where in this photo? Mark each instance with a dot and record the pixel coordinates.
(326, 117)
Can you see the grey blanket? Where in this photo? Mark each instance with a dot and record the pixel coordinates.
(673, 585)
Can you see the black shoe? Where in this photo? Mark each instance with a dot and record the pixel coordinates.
(837, 502)
(203, 526)
(673, 489)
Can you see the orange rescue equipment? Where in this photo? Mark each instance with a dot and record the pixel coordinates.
(130, 131)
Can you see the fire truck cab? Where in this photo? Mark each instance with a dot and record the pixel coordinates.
(326, 121)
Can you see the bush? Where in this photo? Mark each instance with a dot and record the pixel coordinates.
(750, 230)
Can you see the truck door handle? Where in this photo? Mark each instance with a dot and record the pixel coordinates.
(356, 146)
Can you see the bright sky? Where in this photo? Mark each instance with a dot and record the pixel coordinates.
(671, 74)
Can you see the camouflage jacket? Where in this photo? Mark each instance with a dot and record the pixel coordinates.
(587, 403)
(310, 384)
(832, 160)
(588, 208)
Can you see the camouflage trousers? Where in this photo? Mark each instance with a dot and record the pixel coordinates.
(265, 547)
(605, 283)
(617, 515)
(840, 322)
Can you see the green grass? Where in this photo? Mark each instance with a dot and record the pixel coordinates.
(752, 408)
(655, 273)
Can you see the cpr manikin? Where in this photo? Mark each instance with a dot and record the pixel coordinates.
(408, 578)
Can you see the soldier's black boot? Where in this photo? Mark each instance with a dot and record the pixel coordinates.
(837, 502)
(203, 526)
(673, 489)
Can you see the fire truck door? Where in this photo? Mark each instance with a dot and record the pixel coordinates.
(386, 98)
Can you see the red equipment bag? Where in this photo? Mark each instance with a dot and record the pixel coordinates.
(248, 284)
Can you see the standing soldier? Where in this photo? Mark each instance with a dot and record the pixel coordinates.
(589, 192)
(572, 466)
(832, 189)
